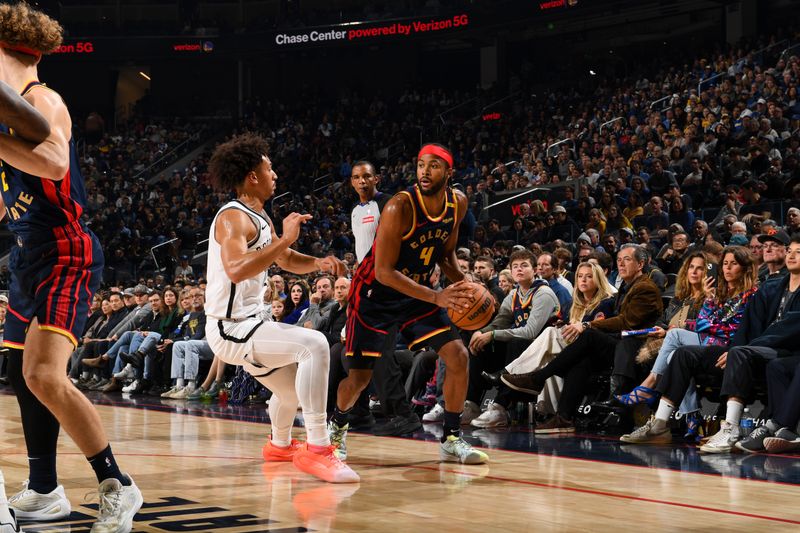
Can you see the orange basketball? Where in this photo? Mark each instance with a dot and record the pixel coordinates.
(478, 314)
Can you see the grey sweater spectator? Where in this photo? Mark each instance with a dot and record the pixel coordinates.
(135, 317)
(321, 303)
(543, 307)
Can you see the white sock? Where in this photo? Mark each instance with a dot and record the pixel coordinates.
(734, 412)
(179, 382)
(664, 411)
(190, 383)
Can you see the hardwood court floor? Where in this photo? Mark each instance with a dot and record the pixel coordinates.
(205, 473)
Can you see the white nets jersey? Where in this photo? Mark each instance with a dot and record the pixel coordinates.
(226, 300)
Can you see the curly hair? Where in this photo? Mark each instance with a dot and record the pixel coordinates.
(21, 25)
(234, 159)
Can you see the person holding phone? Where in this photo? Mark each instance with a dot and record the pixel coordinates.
(717, 322)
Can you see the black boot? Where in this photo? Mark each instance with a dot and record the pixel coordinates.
(136, 359)
(617, 386)
(493, 378)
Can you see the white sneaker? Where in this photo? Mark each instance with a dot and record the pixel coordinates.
(171, 391)
(434, 415)
(183, 393)
(126, 373)
(470, 413)
(723, 440)
(131, 386)
(457, 450)
(8, 522)
(118, 506)
(29, 505)
(494, 416)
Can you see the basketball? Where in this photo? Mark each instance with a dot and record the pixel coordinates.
(478, 314)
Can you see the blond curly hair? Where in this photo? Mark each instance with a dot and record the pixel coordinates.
(21, 25)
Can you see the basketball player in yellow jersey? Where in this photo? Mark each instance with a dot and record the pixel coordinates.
(391, 288)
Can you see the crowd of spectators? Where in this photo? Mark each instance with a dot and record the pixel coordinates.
(663, 181)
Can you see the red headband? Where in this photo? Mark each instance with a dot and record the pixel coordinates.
(21, 49)
(438, 151)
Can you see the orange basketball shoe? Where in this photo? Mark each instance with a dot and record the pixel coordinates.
(321, 462)
(273, 453)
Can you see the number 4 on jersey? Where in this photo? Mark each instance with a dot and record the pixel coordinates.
(425, 254)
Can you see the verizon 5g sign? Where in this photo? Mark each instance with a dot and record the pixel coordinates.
(344, 33)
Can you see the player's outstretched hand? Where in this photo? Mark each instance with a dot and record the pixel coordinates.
(457, 296)
(333, 265)
(292, 224)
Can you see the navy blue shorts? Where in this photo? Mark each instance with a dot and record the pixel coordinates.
(371, 325)
(53, 278)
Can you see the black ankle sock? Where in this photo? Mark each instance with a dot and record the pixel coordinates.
(43, 478)
(340, 418)
(452, 424)
(105, 467)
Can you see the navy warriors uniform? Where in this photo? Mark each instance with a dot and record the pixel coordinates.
(57, 262)
(376, 308)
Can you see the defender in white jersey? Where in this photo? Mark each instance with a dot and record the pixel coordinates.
(291, 361)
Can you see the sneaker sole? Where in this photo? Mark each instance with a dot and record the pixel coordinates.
(499, 424)
(520, 389)
(475, 458)
(657, 440)
(715, 449)
(43, 516)
(739, 447)
(309, 467)
(552, 431)
(776, 445)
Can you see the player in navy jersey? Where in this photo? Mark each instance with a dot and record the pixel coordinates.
(391, 289)
(55, 268)
(387, 376)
